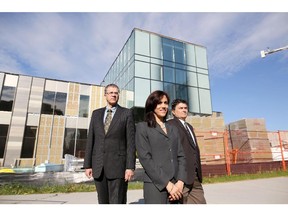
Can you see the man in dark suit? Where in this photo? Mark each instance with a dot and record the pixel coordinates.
(110, 151)
(193, 192)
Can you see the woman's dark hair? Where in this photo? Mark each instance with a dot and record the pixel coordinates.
(151, 103)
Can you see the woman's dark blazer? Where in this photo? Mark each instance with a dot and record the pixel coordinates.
(114, 151)
(161, 155)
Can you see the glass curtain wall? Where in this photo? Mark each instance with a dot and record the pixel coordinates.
(150, 61)
(174, 66)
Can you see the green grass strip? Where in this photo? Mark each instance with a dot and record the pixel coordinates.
(22, 189)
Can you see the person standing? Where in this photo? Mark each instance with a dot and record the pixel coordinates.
(160, 153)
(110, 153)
(193, 192)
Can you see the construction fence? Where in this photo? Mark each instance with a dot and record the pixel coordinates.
(242, 151)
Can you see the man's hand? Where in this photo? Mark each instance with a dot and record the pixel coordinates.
(88, 172)
(129, 173)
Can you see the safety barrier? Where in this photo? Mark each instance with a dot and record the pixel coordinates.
(237, 149)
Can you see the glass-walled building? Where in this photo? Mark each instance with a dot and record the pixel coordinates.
(150, 61)
(44, 119)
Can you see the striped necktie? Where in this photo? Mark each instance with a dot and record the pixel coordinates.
(108, 120)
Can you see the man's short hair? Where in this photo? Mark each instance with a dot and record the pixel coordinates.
(111, 85)
(176, 102)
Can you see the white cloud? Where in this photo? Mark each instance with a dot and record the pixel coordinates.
(243, 39)
(82, 46)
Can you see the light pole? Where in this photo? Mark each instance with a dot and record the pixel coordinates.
(264, 53)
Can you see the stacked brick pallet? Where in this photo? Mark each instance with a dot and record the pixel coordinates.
(209, 131)
(248, 141)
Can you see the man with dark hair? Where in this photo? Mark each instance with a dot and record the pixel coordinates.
(193, 192)
(110, 151)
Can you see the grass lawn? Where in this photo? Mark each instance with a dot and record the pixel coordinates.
(20, 189)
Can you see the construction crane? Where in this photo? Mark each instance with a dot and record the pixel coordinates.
(264, 53)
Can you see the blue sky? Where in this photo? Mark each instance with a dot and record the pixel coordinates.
(82, 46)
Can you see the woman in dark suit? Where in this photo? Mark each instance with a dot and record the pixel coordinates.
(160, 153)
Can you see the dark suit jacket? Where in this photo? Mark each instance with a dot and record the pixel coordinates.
(115, 151)
(161, 155)
(192, 153)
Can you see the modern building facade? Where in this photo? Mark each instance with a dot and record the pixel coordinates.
(43, 119)
(149, 61)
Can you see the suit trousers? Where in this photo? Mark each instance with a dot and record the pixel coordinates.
(193, 194)
(111, 191)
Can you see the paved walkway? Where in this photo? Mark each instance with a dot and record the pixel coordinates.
(261, 191)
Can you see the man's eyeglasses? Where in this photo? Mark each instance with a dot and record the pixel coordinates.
(111, 93)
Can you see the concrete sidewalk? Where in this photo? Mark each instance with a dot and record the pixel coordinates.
(260, 191)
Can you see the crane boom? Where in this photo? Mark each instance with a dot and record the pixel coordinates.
(264, 53)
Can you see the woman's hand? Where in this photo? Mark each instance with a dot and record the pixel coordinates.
(174, 190)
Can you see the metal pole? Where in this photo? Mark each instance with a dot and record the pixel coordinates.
(282, 154)
(227, 154)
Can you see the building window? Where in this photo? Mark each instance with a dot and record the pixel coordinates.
(156, 72)
(48, 102)
(81, 143)
(168, 49)
(179, 52)
(181, 77)
(7, 98)
(169, 74)
(3, 138)
(28, 142)
(181, 92)
(84, 106)
(170, 89)
(54, 103)
(75, 142)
